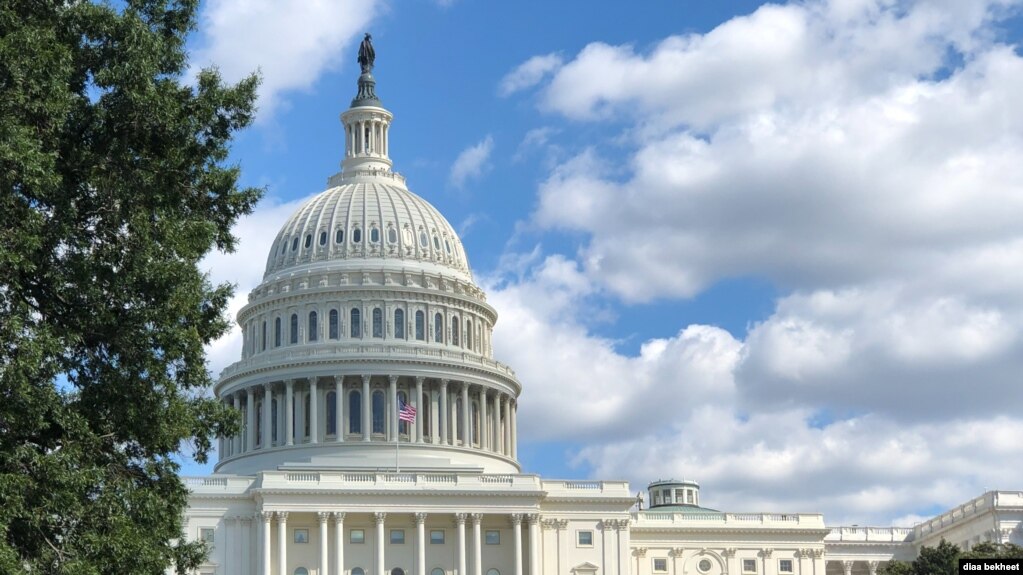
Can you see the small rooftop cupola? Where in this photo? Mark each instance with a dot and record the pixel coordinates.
(366, 122)
(673, 492)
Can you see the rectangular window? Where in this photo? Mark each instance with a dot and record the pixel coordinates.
(584, 538)
(749, 565)
(206, 534)
(660, 565)
(689, 496)
(301, 536)
(785, 565)
(437, 536)
(397, 536)
(493, 537)
(357, 536)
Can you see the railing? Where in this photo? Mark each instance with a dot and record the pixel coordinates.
(572, 487)
(359, 350)
(869, 534)
(980, 504)
(768, 519)
(390, 480)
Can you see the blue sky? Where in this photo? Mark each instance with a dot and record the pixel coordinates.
(774, 248)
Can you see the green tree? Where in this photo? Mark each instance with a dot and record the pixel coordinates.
(944, 559)
(940, 560)
(114, 183)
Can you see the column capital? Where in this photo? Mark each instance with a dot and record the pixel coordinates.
(339, 517)
(282, 516)
(444, 382)
(677, 551)
(267, 386)
(379, 518)
(847, 566)
(460, 518)
(640, 551)
(872, 567)
(729, 552)
(366, 378)
(516, 519)
(339, 378)
(420, 518)
(533, 518)
(313, 380)
(420, 379)
(324, 516)
(392, 379)
(266, 516)
(766, 552)
(477, 518)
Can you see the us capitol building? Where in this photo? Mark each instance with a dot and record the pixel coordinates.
(368, 305)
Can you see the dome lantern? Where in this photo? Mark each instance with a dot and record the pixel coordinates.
(366, 122)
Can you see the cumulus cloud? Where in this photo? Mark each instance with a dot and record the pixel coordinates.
(528, 74)
(471, 163)
(863, 157)
(290, 43)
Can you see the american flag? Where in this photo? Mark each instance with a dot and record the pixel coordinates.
(406, 412)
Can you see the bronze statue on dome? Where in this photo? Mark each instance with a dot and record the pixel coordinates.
(366, 54)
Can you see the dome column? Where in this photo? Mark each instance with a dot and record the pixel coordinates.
(484, 426)
(367, 423)
(498, 427)
(506, 432)
(466, 430)
(314, 429)
(289, 411)
(268, 403)
(419, 409)
(514, 431)
(392, 411)
(442, 413)
(250, 418)
(339, 409)
(236, 444)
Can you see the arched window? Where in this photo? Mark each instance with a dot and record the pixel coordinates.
(402, 425)
(374, 235)
(294, 328)
(424, 412)
(305, 414)
(378, 322)
(454, 330)
(294, 244)
(355, 412)
(378, 411)
(356, 235)
(475, 423)
(420, 327)
(273, 420)
(339, 237)
(358, 571)
(313, 326)
(399, 324)
(277, 332)
(437, 571)
(493, 572)
(333, 324)
(323, 238)
(264, 336)
(301, 571)
(397, 571)
(331, 413)
(468, 333)
(459, 426)
(438, 328)
(356, 323)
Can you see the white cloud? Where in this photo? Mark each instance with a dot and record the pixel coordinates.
(529, 73)
(291, 43)
(471, 163)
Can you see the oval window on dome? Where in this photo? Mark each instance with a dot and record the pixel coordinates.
(284, 246)
(424, 240)
(339, 237)
(447, 244)
(294, 244)
(323, 238)
(374, 235)
(308, 240)
(392, 235)
(356, 236)
(406, 236)
(436, 243)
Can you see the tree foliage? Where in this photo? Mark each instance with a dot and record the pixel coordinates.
(113, 186)
(944, 558)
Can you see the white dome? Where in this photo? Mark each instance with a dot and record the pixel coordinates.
(364, 219)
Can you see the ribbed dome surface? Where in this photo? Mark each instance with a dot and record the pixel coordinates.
(366, 220)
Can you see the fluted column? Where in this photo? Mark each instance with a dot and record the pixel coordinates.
(516, 521)
(534, 544)
(499, 426)
(236, 442)
(282, 542)
(250, 419)
(289, 411)
(477, 544)
(506, 433)
(314, 428)
(484, 425)
(420, 543)
(379, 518)
(442, 413)
(324, 544)
(392, 413)
(266, 516)
(514, 431)
(267, 405)
(367, 422)
(339, 543)
(339, 409)
(460, 529)
(466, 430)
(419, 409)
